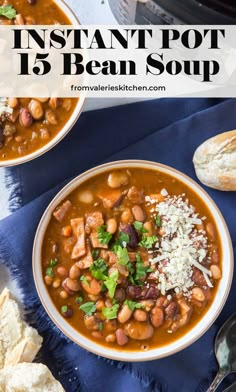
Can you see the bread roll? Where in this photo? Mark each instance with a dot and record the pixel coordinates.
(215, 162)
(18, 341)
(28, 377)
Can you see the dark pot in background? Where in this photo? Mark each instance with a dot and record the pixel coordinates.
(174, 11)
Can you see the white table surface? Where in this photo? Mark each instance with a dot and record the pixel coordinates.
(88, 12)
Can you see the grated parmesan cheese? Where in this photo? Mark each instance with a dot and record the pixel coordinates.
(4, 107)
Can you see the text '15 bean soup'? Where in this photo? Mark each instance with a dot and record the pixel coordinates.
(132, 259)
(26, 125)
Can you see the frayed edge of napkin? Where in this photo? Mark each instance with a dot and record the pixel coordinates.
(13, 186)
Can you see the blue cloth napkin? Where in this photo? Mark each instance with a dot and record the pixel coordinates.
(166, 131)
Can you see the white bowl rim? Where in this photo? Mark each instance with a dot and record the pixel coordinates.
(134, 356)
(73, 118)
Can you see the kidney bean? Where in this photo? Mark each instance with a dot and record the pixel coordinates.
(121, 337)
(124, 314)
(198, 278)
(133, 237)
(171, 310)
(152, 292)
(139, 331)
(138, 213)
(120, 294)
(111, 225)
(134, 292)
(68, 313)
(157, 317)
(26, 119)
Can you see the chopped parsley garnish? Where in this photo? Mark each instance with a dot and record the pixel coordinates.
(64, 309)
(88, 308)
(53, 262)
(8, 11)
(49, 272)
(100, 326)
(84, 279)
(122, 240)
(103, 236)
(99, 269)
(110, 313)
(139, 272)
(133, 305)
(158, 221)
(111, 283)
(139, 226)
(148, 241)
(122, 254)
(79, 299)
(95, 254)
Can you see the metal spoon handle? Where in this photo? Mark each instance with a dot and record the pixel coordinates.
(218, 379)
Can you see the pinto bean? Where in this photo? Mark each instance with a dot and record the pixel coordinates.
(138, 213)
(127, 216)
(121, 337)
(66, 104)
(110, 326)
(26, 119)
(117, 178)
(93, 287)
(211, 231)
(157, 317)
(198, 294)
(139, 331)
(62, 271)
(86, 197)
(140, 315)
(74, 272)
(13, 102)
(111, 225)
(64, 294)
(148, 226)
(91, 323)
(148, 304)
(124, 314)
(56, 283)
(36, 109)
(152, 292)
(48, 280)
(216, 272)
(111, 338)
(51, 117)
(72, 285)
(171, 310)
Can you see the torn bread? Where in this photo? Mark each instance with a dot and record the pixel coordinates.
(28, 377)
(18, 341)
(215, 161)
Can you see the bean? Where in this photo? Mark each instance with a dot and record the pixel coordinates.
(19, 139)
(56, 283)
(120, 294)
(140, 315)
(216, 272)
(148, 304)
(51, 117)
(138, 213)
(111, 338)
(19, 20)
(198, 294)
(66, 104)
(148, 226)
(68, 313)
(54, 103)
(127, 216)
(117, 178)
(36, 109)
(121, 337)
(111, 225)
(86, 197)
(210, 229)
(93, 297)
(124, 314)
(108, 303)
(110, 326)
(48, 280)
(97, 334)
(44, 134)
(13, 102)
(62, 271)
(99, 305)
(91, 323)
(74, 272)
(66, 231)
(32, 2)
(26, 119)
(139, 331)
(157, 317)
(64, 294)
(93, 288)
(72, 285)
(29, 20)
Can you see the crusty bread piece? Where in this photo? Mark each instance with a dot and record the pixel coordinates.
(18, 341)
(215, 162)
(28, 377)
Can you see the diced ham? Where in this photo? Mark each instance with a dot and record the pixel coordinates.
(95, 242)
(135, 195)
(110, 198)
(61, 211)
(87, 260)
(78, 229)
(94, 220)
